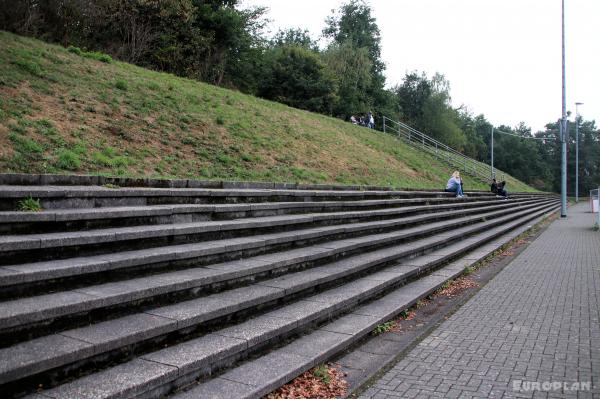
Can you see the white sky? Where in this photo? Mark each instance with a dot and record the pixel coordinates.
(502, 57)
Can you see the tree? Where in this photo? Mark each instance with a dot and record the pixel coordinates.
(294, 37)
(297, 77)
(352, 69)
(353, 32)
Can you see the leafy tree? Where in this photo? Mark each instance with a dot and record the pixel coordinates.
(294, 37)
(297, 77)
(353, 31)
(352, 69)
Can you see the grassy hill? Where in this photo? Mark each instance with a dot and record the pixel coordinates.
(68, 111)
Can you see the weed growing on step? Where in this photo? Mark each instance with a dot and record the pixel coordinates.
(388, 326)
(110, 185)
(596, 227)
(29, 205)
(322, 373)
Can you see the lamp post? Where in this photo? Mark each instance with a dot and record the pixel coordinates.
(577, 151)
(492, 156)
(563, 127)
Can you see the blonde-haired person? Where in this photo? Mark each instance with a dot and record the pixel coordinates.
(454, 184)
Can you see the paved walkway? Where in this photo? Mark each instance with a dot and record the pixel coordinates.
(532, 331)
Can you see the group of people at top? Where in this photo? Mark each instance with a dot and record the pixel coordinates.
(455, 185)
(367, 121)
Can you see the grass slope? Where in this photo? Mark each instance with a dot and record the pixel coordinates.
(66, 111)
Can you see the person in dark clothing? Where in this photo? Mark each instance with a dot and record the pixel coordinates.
(498, 188)
(501, 190)
(494, 187)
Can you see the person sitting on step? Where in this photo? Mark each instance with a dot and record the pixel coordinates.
(455, 184)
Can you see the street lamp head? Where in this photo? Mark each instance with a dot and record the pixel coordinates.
(578, 103)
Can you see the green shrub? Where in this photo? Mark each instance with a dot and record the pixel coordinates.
(68, 160)
(121, 84)
(220, 120)
(29, 205)
(98, 56)
(74, 50)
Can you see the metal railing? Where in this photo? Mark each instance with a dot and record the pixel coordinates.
(440, 150)
(595, 203)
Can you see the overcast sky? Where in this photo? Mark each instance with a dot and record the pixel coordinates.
(502, 57)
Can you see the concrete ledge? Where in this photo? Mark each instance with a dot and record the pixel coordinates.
(93, 180)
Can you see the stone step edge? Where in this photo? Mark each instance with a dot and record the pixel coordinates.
(53, 269)
(85, 300)
(62, 356)
(116, 212)
(171, 371)
(24, 242)
(286, 363)
(68, 180)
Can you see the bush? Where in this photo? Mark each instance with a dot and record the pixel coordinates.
(95, 55)
(74, 50)
(68, 160)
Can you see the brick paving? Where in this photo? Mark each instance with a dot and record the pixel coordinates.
(532, 332)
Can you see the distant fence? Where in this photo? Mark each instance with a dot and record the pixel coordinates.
(439, 150)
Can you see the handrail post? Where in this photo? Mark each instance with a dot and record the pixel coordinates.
(384, 124)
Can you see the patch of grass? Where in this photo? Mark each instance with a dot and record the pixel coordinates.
(110, 185)
(322, 373)
(67, 160)
(121, 84)
(31, 67)
(25, 145)
(29, 205)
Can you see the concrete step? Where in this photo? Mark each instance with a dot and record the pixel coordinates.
(26, 358)
(157, 322)
(19, 277)
(14, 222)
(258, 377)
(57, 197)
(48, 246)
(160, 372)
(25, 276)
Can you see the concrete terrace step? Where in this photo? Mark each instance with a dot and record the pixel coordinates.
(157, 373)
(86, 218)
(26, 358)
(53, 197)
(256, 378)
(33, 241)
(27, 242)
(23, 275)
